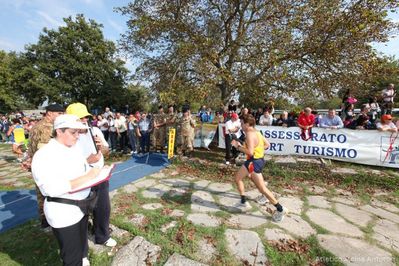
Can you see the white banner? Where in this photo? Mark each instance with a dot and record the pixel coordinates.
(204, 133)
(369, 147)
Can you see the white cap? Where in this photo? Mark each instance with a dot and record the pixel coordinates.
(68, 121)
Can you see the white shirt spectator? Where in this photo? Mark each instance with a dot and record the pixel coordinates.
(387, 95)
(266, 120)
(390, 125)
(232, 126)
(111, 123)
(86, 144)
(103, 124)
(53, 166)
(120, 124)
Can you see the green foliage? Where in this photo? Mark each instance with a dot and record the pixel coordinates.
(137, 97)
(10, 99)
(386, 71)
(6, 95)
(72, 64)
(212, 49)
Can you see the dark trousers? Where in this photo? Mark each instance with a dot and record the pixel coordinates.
(132, 139)
(231, 152)
(72, 241)
(145, 141)
(112, 138)
(386, 108)
(123, 141)
(106, 135)
(101, 213)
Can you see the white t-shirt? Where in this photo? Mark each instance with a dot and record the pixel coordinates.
(86, 145)
(387, 95)
(103, 124)
(389, 126)
(120, 124)
(265, 121)
(111, 123)
(53, 166)
(230, 125)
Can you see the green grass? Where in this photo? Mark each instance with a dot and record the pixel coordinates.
(181, 239)
(395, 257)
(317, 253)
(28, 245)
(116, 157)
(36, 248)
(368, 231)
(283, 258)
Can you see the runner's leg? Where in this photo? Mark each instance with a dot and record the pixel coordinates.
(257, 178)
(240, 175)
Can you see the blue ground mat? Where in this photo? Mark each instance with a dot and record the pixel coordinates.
(19, 206)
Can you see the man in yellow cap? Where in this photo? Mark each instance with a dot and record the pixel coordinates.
(93, 145)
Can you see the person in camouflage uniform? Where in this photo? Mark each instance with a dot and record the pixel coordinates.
(40, 135)
(187, 126)
(171, 119)
(159, 129)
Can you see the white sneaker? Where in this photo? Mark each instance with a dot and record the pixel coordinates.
(262, 200)
(110, 243)
(279, 216)
(243, 206)
(85, 262)
(227, 162)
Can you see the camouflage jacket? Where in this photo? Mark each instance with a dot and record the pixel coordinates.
(171, 120)
(187, 125)
(159, 119)
(39, 136)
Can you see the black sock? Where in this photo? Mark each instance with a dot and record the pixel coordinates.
(243, 199)
(279, 207)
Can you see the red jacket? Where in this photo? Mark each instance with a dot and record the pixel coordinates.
(304, 120)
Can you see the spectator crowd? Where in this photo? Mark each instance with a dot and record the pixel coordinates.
(44, 142)
(140, 132)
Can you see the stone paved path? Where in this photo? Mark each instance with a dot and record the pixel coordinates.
(355, 234)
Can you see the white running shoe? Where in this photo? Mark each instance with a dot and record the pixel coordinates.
(279, 216)
(243, 207)
(110, 243)
(262, 200)
(85, 262)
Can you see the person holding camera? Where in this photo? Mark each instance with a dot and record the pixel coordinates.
(388, 96)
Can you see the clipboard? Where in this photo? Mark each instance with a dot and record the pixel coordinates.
(103, 176)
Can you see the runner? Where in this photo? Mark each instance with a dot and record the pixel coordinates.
(254, 147)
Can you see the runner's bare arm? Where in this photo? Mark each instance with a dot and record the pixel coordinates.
(266, 143)
(250, 144)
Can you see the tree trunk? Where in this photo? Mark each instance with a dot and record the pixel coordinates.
(223, 91)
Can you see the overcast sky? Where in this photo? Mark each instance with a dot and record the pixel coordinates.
(23, 20)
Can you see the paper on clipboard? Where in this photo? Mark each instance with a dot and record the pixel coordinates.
(103, 176)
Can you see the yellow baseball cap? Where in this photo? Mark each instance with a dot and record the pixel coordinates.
(78, 109)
